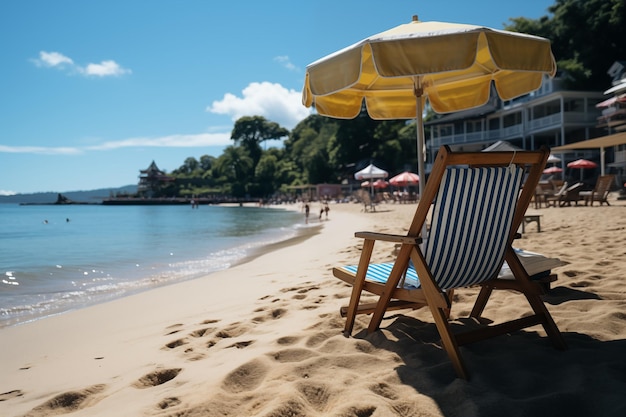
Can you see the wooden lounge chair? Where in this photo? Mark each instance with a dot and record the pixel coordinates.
(600, 192)
(477, 210)
(571, 195)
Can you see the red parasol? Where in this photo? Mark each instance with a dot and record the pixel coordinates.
(582, 164)
(404, 179)
(552, 170)
(375, 184)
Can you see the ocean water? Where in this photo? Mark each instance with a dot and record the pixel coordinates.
(59, 258)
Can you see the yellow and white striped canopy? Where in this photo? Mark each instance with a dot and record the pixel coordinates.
(452, 65)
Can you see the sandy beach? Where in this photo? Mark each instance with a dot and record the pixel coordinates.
(264, 338)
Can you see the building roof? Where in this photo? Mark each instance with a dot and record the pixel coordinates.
(602, 142)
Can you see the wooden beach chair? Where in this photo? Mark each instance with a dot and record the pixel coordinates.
(571, 195)
(478, 207)
(600, 192)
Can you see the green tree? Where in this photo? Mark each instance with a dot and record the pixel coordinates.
(235, 168)
(251, 131)
(307, 147)
(587, 37)
(206, 162)
(189, 166)
(265, 173)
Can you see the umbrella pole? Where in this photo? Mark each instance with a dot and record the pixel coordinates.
(419, 127)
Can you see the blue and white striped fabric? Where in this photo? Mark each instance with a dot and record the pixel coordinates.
(471, 222)
(380, 273)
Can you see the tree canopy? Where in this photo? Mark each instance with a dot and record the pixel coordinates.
(587, 36)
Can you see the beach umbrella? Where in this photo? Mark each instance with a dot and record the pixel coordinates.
(375, 184)
(453, 65)
(404, 179)
(371, 172)
(553, 159)
(380, 184)
(552, 170)
(582, 164)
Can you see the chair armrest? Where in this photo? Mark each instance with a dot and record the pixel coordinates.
(389, 237)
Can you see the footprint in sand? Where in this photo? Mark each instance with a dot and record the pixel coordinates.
(289, 408)
(292, 355)
(316, 394)
(271, 315)
(174, 328)
(247, 377)
(176, 343)
(319, 338)
(384, 390)
(234, 330)
(168, 402)
(202, 332)
(241, 345)
(288, 340)
(156, 378)
(69, 402)
(11, 394)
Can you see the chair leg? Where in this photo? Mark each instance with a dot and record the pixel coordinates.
(547, 321)
(481, 301)
(449, 342)
(357, 287)
(392, 283)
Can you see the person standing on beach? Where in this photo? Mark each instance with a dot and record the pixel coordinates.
(307, 209)
(326, 210)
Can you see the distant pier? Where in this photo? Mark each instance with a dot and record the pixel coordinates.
(173, 201)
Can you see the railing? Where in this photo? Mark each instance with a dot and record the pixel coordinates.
(542, 123)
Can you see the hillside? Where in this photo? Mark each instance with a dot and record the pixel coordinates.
(92, 196)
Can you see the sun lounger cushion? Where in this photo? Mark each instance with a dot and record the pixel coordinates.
(536, 265)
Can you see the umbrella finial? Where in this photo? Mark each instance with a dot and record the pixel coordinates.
(415, 18)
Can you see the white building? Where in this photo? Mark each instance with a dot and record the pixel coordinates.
(551, 116)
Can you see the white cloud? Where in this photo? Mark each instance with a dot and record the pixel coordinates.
(270, 100)
(105, 68)
(173, 141)
(40, 150)
(285, 62)
(7, 192)
(53, 59)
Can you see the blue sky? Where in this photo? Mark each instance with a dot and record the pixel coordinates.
(93, 91)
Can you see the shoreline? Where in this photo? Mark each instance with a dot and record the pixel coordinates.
(264, 338)
(150, 283)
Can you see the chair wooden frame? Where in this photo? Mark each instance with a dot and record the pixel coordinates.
(430, 294)
(600, 191)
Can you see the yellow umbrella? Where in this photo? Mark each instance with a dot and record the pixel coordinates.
(453, 65)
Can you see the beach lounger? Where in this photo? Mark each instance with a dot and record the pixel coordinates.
(600, 192)
(478, 207)
(553, 200)
(571, 195)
